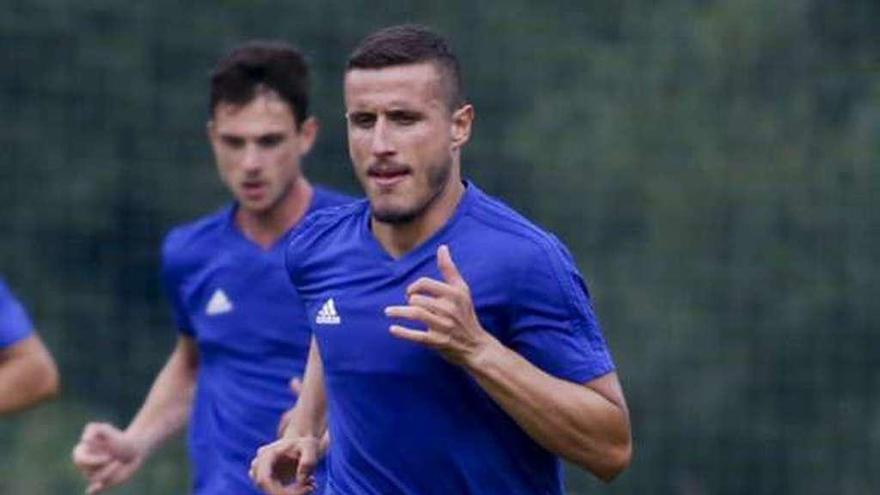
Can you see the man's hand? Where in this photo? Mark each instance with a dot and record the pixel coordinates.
(285, 467)
(106, 456)
(448, 311)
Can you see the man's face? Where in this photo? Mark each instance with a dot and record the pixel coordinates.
(258, 150)
(403, 140)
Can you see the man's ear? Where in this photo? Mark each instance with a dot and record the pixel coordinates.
(308, 134)
(462, 120)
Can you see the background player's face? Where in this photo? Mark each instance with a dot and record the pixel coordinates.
(258, 150)
(403, 140)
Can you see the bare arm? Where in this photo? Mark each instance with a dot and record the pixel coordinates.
(587, 424)
(285, 467)
(28, 375)
(107, 456)
(166, 409)
(309, 418)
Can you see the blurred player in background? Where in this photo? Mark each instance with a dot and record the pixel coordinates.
(472, 376)
(243, 335)
(28, 374)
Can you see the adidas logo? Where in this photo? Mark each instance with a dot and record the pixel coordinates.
(218, 304)
(328, 315)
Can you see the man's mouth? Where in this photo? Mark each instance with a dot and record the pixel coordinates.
(253, 189)
(388, 175)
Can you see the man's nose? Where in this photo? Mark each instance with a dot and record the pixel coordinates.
(381, 143)
(251, 159)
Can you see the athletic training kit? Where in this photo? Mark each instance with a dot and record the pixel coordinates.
(402, 419)
(233, 297)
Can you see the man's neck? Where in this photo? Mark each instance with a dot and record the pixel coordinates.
(265, 228)
(399, 239)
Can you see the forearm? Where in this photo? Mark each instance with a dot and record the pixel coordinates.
(569, 419)
(309, 417)
(166, 409)
(28, 375)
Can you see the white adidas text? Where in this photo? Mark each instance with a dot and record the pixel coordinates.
(328, 315)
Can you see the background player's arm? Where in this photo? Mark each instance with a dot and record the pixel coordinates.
(28, 374)
(294, 456)
(587, 424)
(108, 456)
(167, 406)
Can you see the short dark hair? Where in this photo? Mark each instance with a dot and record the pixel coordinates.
(257, 65)
(407, 44)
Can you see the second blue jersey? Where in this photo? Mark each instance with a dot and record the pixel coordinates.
(404, 421)
(234, 299)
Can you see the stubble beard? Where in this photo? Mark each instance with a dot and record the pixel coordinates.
(438, 177)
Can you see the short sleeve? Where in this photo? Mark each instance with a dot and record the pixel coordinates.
(15, 325)
(306, 238)
(292, 254)
(553, 323)
(172, 275)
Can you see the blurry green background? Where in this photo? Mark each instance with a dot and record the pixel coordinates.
(713, 165)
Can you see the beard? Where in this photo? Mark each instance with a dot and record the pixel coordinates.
(438, 177)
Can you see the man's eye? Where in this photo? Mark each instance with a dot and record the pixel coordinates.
(403, 118)
(362, 120)
(232, 142)
(270, 141)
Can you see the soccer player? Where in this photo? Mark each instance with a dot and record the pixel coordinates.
(243, 334)
(28, 374)
(456, 349)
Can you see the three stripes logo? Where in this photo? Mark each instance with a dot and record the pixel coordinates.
(328, 315)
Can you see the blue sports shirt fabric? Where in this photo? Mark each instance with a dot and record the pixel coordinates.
(402, 419)
(234, 299)
(14, 322)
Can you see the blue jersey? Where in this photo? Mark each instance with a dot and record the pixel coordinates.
(235, 300)
(402, 419)
(14, 322)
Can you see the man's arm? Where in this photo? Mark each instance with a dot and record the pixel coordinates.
(588, 424)
(167, 406)
(108, 456)
(309, 418)
(285, 467)
(28, 375)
